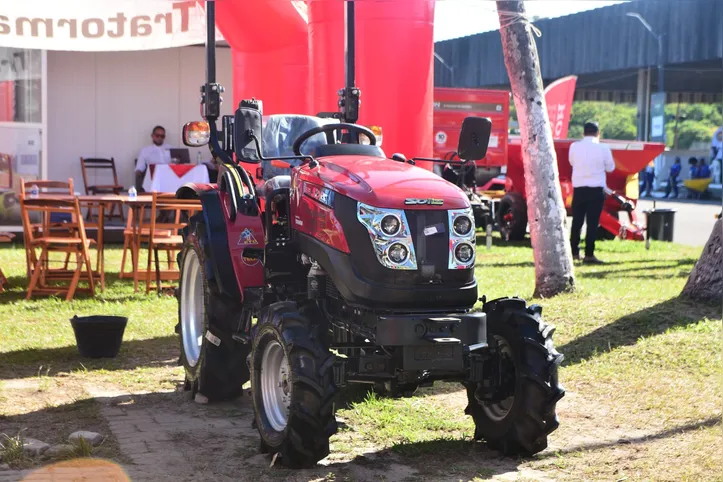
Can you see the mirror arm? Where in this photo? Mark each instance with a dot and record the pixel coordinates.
(441, 161)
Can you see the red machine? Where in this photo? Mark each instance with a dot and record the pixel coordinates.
(630, 158)
(452, 106)
(349, 268)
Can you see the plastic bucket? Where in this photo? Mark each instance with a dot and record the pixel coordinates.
(99, 336)
(661, 224)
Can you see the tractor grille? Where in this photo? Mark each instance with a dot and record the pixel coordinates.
(432, 251)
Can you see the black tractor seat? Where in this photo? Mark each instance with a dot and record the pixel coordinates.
(325, 150)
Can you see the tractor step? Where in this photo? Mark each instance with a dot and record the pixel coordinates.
(244, 339)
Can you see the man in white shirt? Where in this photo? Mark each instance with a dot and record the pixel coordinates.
(590, 162)
(157, 153)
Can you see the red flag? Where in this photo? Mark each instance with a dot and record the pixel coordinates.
(558, 97)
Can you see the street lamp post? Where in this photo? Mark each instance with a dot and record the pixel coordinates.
(659, 38)
(657, 101)
(447, 66)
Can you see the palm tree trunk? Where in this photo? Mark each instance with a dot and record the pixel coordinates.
(554, 271)
(705, 282)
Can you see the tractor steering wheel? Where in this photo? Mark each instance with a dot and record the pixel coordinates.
(328, 128)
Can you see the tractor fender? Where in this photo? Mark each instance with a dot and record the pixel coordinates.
(193, 190)
(216, 236)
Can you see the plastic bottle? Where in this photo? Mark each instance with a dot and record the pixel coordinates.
(34, 191)
(132, 193)
(198, 157)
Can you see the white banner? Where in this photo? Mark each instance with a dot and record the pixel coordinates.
(102, 25)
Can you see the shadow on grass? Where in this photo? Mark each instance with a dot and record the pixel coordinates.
(153, 352)
(641, 272)
(676, 312)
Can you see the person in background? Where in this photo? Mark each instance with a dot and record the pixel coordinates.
(648, 177)
(156, 153)
(703, 170)
(673, 178)
(590, 162)
(693, 170)
(716, 155)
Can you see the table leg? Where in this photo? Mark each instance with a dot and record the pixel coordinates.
(100, 263)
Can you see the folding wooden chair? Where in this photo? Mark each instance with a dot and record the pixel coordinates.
(171, 244)
(62, 221)
(4, 238)
(98, 164)
(68, 242)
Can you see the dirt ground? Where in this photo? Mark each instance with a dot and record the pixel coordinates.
(166, 436)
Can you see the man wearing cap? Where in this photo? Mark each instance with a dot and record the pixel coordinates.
(590, 162)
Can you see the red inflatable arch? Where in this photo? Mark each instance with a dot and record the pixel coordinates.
(290, 54)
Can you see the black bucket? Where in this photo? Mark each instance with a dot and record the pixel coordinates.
(99, 336)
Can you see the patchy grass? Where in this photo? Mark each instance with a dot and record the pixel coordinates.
(642, 371)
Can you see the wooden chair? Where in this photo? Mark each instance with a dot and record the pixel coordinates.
(152, 234)
(62, 222)
(4, 238)
(95, 189)
(130, 244)
(68, 242)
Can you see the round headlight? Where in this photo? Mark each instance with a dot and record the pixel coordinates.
(462, 225)
(464, 253)
(391, 225)
(398, 253)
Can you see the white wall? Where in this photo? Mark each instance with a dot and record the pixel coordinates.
(105, 104)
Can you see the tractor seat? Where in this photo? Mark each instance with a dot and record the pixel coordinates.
(276, 182)
(324, 150)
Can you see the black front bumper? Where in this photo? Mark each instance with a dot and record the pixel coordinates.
(420, 348)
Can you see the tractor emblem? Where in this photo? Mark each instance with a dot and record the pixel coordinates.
(247, 237)
(428, 202)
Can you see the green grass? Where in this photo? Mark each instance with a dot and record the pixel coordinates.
(642, 371)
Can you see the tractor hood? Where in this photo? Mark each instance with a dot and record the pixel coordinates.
(384, 183)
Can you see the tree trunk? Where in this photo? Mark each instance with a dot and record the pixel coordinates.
(554, 271)
(705, 282)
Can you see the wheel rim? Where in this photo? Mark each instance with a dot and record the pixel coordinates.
(276, 385)
(499, 410)
(192, 309)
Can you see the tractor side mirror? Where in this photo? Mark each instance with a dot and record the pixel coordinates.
(474, 138)
(196, 134)
(248, 130)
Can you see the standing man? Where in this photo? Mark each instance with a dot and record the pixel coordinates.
(673, 179)
(590, 162)
(157, 153)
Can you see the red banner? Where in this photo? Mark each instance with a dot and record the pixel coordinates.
(558, 97)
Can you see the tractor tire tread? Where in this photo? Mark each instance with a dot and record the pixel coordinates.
(532, 418)
(311, 419)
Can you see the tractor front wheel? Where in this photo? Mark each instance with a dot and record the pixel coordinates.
(292, 384)
(512, 217)
(214, 363)
(518, 417)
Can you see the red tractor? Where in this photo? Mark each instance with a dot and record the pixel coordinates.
(351, 268)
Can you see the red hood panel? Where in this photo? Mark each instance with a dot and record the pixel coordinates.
(383, 183)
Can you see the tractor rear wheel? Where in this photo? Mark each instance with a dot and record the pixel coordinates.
(292, 384)
(214, 363)
(604, 235)
(520, 416)
(512, 217)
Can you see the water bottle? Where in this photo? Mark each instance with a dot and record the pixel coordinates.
(198, 157)
(132, 193)
(34, 191)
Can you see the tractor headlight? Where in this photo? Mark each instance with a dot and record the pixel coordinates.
(389, 233)
(391, 224)
(462, 225)
(464, 252)
(398, 253)
(462, 239)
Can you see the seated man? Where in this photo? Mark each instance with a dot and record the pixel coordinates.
(156, 153)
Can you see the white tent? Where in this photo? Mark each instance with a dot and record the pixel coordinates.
(102, 25)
